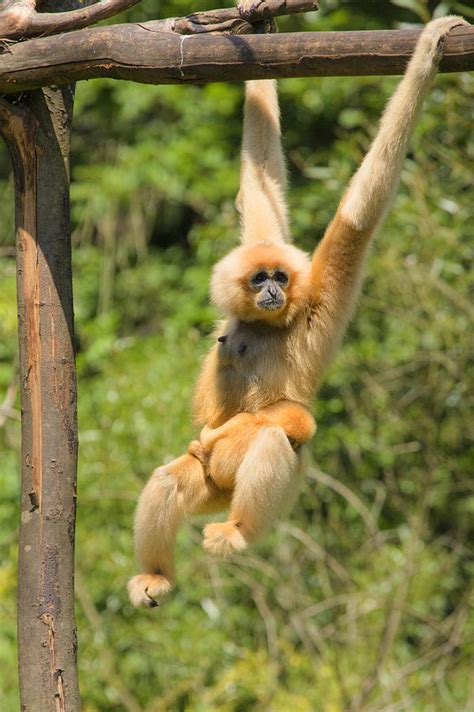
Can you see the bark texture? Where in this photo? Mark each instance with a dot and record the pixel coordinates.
(37, 130)
(19, 18)
(145, 53)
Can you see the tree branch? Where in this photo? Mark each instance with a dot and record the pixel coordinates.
(20, 19)
(144, 53)
(230, 20)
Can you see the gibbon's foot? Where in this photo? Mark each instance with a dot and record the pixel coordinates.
(144, 589)
(223, 539)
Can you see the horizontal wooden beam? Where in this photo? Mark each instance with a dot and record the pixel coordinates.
(144, 53)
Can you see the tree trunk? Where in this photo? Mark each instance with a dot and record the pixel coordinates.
(37, 131)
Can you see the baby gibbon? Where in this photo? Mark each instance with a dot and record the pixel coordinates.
(285, 314)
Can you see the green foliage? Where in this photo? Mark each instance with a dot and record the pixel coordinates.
(362, 594)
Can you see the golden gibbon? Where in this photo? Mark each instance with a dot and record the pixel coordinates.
(285, 314)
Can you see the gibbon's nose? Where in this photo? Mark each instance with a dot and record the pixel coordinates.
(272, 291)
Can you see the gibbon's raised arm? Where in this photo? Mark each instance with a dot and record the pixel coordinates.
(339, 259)
(261, 199)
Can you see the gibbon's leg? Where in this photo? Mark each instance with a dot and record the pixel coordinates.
(185, 487)
(172, 492)
(295, 419)
(297, 422)
(222, 449)
(265, 484)
(339, 258)
(261, 199)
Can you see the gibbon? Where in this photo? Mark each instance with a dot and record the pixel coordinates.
(285, 315)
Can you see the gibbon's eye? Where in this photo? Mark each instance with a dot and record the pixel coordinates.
(280, 277)
(260, 277)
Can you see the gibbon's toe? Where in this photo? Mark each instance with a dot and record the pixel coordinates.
(223, 539)
(144, 589)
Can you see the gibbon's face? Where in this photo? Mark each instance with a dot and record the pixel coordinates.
(263, 282)
(269, 285)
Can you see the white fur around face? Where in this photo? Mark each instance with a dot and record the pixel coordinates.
(226, 288)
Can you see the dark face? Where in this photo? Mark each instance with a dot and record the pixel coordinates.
(269, 286)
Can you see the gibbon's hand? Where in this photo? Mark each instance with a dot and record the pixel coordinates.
(247, 8)
(433, 37)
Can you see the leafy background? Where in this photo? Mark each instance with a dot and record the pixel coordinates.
(362, 599)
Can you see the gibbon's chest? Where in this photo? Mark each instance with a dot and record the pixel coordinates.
(254, 363)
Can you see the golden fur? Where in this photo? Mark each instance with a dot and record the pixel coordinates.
(261, 375)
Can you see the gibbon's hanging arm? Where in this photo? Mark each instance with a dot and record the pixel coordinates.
(145, 53)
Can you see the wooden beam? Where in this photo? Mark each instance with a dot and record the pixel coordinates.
(144, 53)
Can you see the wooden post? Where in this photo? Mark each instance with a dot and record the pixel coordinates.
(37, 130)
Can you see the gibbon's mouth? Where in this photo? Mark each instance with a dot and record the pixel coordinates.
(270, 304)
